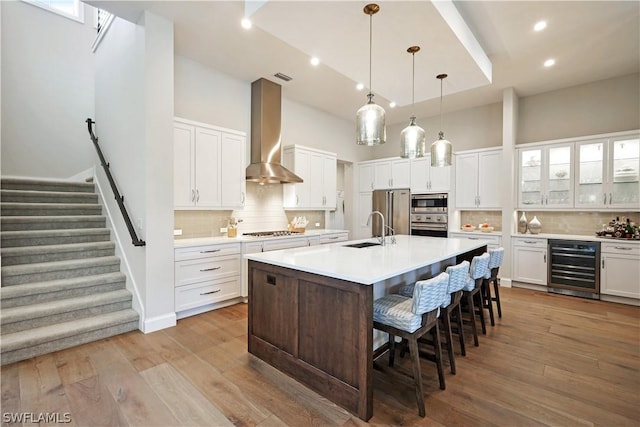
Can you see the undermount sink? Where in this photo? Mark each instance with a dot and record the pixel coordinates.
(362, 245)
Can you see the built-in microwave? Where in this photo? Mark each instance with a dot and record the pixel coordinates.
(429, 203)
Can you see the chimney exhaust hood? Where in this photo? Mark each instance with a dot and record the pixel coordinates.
(266, 149)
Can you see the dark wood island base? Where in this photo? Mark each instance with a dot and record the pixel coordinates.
(317, 330)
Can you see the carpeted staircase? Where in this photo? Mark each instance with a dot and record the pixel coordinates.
(61, 280)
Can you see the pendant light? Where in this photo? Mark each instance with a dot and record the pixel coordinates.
(441, 149)
(412, 139)
(370, 118)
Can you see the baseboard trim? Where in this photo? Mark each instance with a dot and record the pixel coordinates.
(620, 300)
(158, 322)
(504, 282)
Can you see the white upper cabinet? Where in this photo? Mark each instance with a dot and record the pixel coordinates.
(365, 177)
(607, 173)
(427, 179)
(318, 170)
(478, 176)
(391, 174)
(202, 180)
(546, 176)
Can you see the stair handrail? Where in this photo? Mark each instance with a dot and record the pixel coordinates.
(120, 199)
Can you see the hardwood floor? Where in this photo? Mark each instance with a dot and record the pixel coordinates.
(550, 360)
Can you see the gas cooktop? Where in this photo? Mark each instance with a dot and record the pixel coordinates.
(275, 233)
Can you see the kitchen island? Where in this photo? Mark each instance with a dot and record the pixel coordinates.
(311, 309)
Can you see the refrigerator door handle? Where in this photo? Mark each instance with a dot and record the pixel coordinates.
(389, 211)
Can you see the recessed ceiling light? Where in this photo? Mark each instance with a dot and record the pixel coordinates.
(359, 86)
(392, 104)
(246, 23)
(540, 25)
(315, 61)
(549, 62)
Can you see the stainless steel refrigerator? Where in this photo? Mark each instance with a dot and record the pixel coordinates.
(395, 205)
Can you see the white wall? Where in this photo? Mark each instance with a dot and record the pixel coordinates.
(134, 116)
(603, 106)
(47, 92)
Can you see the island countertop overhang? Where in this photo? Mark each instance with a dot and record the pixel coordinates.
(371, 264)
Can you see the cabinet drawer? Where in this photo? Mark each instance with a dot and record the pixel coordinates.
(209, 292)
(620, 248)
(195, 252)
(199, 270)
(332, 238)
(525, 242)
(491, 239)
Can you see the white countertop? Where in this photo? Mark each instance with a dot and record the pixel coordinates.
(590, 237)
(200, 241)
(372, 264)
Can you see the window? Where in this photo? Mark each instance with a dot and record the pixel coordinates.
(73, 9)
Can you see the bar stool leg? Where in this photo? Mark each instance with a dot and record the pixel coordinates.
(473, 319)
(435, 331)
(392, 349)
(415, 361)
(480, 297)
(488, 300)
(460, 330)
(444, 314)
(496, 290)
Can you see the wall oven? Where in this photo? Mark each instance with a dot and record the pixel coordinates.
(429, 215)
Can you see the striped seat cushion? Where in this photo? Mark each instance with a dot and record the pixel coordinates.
(395, 310)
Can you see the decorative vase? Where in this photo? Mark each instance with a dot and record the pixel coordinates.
(535, 225)
(522, 224)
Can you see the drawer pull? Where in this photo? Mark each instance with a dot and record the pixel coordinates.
(473, 238)
(622, 248)
(531, 242)
(210, 269)
(333, 238)
(271, 280)
(210, 251)
(210, 292)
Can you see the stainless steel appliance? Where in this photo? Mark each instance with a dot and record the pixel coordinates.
(574, 268)
(394, 206)
(429, 215)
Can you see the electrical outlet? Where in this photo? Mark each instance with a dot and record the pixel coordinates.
(223, 229)
(177, 232)
(139, 224)
(317, 224)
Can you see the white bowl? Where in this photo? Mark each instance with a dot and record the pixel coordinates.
(468, 228)
(486, 229)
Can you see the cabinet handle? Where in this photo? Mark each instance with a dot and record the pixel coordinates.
(609, 198)
(210, 269)
(546, 200)
(622, 248)
(242, 196)
(332, 238)
(602, 262)
(193, 195)
(545, 258)
(390, 182)
(531, 242)
(604, 199)
(210, 292)
(473, 238)
(297, 199)
(210, 250)
(197, 195)
(371, 184)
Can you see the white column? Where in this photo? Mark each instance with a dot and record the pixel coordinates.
(508, 186)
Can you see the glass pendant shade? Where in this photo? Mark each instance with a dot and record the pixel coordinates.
(441, 152)
(412, 141)
(371, 127)
(370, 124)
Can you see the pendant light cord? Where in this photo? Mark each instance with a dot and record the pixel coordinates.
(370, 50)
(441, 105)
(413, 84)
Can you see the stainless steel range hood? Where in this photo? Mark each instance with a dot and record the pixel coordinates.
(266, 149)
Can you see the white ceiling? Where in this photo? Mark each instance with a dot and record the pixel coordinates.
(590, 40)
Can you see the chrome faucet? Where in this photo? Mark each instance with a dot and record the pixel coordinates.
(382, 238)
(392, 234)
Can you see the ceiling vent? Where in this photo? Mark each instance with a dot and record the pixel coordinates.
(283, 77)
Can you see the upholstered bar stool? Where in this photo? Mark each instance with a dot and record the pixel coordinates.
(472, 290)
(495, 261)
(458, 276)
(410, 318)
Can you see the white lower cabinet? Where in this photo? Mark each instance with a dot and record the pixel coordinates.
(619, 269)
(493, 240)
(530, 260)
(206, 277)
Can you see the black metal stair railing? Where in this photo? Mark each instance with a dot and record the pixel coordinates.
(114, 188)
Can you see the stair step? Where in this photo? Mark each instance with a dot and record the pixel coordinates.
(41, 272)
(18, 319)
(12, 239)
(38, 292)
(46, 339)
(46, 185)
(28, 196)
(55, 209)
(48, 253)
(23, 223)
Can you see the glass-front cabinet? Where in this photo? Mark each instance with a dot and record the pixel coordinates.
(546, 177)
(607, 173)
